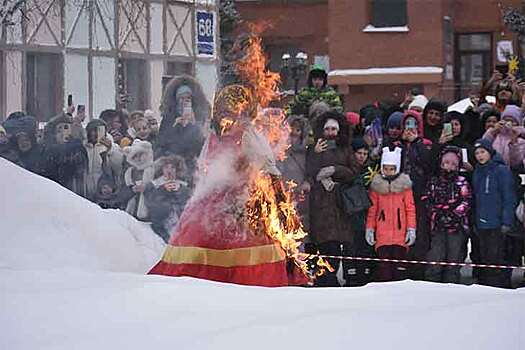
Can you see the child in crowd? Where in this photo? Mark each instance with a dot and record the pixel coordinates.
(495, 203)
(107, 195)
(391, 221)
(140, 173)
(448, 201)
(506, 136)
(167, 195)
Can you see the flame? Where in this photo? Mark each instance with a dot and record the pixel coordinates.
(271, 211)
(270, 207)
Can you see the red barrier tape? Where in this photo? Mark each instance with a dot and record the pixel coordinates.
(440, 263)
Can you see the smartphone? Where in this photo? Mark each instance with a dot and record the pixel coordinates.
(447, 128)
(331, 144)
(187, 108)
(69, 100)
(101, 132)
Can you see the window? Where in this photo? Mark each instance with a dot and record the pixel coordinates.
(133, 84)
(389, 13)
(43, 85)
(473, 61)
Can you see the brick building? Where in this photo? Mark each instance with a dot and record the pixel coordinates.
(377, 49)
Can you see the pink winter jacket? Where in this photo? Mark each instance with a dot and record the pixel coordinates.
(513, 155)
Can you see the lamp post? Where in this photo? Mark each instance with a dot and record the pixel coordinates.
(294, 67)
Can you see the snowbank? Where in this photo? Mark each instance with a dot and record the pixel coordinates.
(44, 226)
(47, 310)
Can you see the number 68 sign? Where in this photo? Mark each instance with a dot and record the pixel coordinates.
(205, 22)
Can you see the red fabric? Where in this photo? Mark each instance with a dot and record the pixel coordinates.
(215, 221)
(266, 275)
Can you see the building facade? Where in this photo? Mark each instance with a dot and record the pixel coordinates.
(379, 49)
(105, 53)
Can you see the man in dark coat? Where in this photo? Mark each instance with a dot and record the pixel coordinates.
(331, 161)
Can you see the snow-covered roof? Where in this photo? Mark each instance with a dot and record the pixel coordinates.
(397, 29)
(389, 70)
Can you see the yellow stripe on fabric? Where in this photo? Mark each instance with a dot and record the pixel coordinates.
(224, 258)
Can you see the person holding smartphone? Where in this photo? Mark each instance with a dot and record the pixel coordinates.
(507, 136)
(330, 162)
(104, 156)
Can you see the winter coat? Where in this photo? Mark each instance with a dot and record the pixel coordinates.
(393, 211)
(182, 141)
(327, 221)
(448, 199)
(293, 168)
(513, 155)
(309, 95)
(136, 206)
(418, 157)
(495, 197)
(101, 160)
(66, 164)
(162, 203)
(32, 160)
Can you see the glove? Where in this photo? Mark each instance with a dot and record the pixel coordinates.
(325, 172)
(370, 237)
(328, 184)
(410, 237)
(505, 229)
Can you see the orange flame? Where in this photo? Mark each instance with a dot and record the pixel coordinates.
(270, 207)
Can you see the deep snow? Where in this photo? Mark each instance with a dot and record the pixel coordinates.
(72, 277)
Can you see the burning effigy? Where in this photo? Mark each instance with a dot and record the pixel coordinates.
(241, 225)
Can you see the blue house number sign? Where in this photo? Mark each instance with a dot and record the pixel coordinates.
(205, 33)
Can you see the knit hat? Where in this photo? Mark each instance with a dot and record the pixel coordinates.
(419, 101)
(359, 143)
(353, 118)
(394, 120)
(514, 112)
(391, 158)
(485, 144)
(331, 123)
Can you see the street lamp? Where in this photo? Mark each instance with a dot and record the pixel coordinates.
(294, 67)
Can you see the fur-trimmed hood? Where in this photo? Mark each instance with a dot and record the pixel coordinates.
(139, 146)
(398, 185)
(305, 127)
(201, 106)
(417, 116)
(178, 163)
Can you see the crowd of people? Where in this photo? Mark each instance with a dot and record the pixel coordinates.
(410, 180)
(395, 180)
(120, 160)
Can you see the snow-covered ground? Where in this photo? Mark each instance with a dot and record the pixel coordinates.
(72, 277)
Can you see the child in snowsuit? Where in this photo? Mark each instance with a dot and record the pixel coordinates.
(391, 221)
(493, 186)
(448, 201)
(140, 173)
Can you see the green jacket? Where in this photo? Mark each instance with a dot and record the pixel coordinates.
(307, 96)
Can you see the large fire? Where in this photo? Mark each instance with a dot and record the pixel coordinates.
(270, 207)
